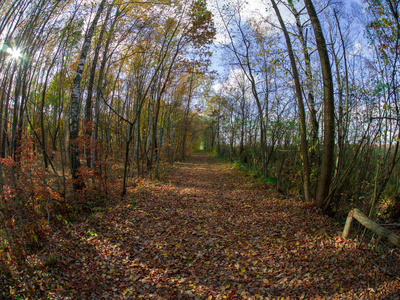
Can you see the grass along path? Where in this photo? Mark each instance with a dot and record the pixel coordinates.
(207, 231)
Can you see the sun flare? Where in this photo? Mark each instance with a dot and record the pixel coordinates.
(15, 53)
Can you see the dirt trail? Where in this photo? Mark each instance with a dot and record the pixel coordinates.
(209, 231)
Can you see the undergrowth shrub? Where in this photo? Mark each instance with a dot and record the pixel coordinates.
(26, 200)
(32, 198)
(98, 183)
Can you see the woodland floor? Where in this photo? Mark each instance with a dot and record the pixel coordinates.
(206, 231)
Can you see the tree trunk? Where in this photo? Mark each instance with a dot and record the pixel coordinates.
(42, 129)
(88, 106)
(100, 87)
(3, 97)
(187, 118)
(314, 159)
(75, 102)
(327, 162)
(126, 161)
(4, 125)
(17, 104)
(136, 146)
(303, 128)
(149, 151)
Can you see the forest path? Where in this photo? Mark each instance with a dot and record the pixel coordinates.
(210, 231)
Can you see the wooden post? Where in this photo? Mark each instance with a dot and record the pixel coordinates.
(371, 225)
(349, 220)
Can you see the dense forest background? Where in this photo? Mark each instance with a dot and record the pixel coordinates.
(96, 94)
(93, 94)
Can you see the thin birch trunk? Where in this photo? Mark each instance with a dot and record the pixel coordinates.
(75, 102)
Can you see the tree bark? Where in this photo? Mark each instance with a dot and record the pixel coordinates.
(88, 106)
(4, 125)
(310, 90)
(327, 162)
(42, 128)
(303, 128)
(187, 118)
(75, 102)
(149, 151)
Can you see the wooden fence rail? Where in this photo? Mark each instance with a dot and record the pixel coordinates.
(371, 225)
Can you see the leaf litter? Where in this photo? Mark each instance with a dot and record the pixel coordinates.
(206, 231)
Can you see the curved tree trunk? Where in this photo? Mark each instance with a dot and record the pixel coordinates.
(327, 162)
(313, 121)
(303, 128)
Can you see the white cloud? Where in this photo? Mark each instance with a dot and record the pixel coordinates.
(235, 78)
(357, 48)
(249, 9)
